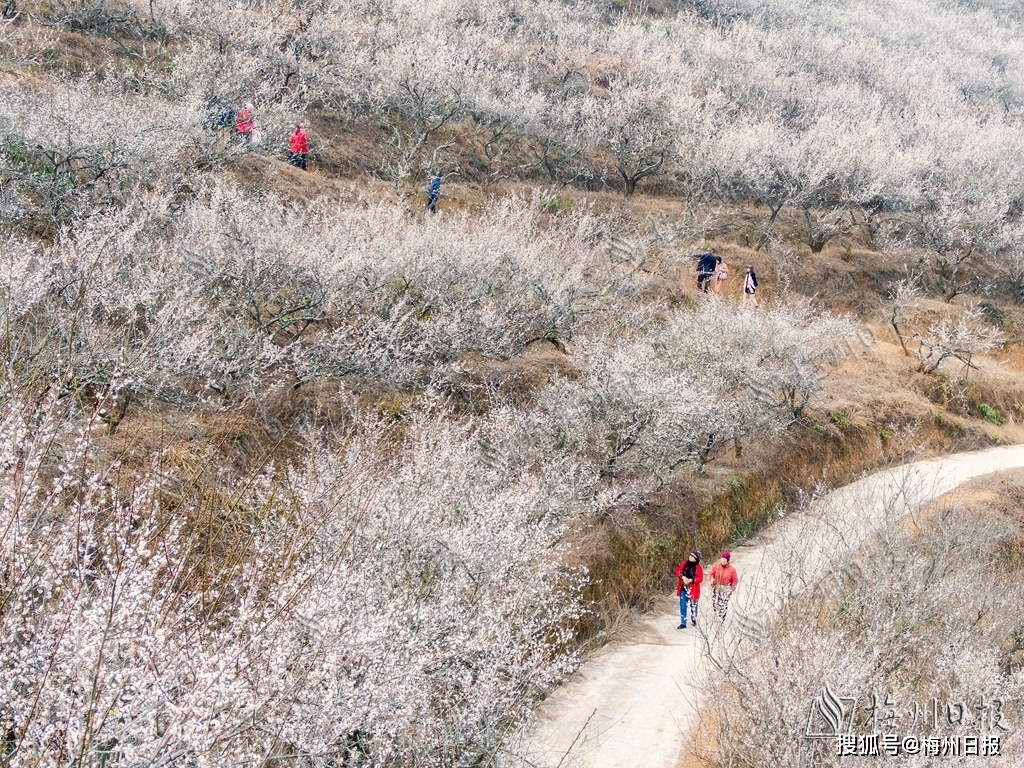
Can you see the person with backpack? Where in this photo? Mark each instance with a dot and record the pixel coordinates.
(219, 114)
(220, 119)
(723, 583)
(750, 285)
(706, 266)
(434, 193)
(298, 144)
(689, 576)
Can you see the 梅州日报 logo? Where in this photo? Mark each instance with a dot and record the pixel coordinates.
(829, 715)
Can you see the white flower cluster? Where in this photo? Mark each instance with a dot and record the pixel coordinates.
(68, 138)
(246, 288)
(711, 375)
(402, 609)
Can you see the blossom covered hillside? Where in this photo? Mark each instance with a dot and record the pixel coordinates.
(294, 468)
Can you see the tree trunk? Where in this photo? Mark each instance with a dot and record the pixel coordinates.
(817, 234)
(761, 241)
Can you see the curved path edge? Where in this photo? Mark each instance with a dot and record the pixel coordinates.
(631, 704)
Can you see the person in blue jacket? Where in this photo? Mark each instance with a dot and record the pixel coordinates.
(434, 193)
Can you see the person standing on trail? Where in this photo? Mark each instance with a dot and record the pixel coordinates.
(706, 267)
(750, 285)
(721, 273)
(723, 583)
(689, 575)
(434, 193)
(298, 144)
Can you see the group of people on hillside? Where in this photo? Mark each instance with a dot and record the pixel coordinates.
(245, 129)
(689, 577)
(712, 271)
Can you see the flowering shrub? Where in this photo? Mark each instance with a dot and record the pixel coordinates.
(403, 608)
(711, 375)
(70, 143)
(233, 289)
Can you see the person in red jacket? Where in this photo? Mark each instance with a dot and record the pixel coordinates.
(689, 575)
(723, 583)
(298, 143)
(244, 121)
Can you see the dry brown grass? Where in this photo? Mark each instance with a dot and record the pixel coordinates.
(701, 741)
(515, 381)
(1001, 493)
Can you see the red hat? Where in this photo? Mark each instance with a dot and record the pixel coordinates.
(726, 555)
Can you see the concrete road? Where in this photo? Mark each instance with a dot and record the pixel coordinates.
(631, 705)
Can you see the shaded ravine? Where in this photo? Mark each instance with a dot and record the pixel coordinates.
(632, 705)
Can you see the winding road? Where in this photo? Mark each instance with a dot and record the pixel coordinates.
(631, 705)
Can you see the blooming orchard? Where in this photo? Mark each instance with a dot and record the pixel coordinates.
(403, 608)
(396, 592)
(387, 586)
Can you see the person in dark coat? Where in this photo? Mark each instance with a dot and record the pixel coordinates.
(750, 285)
(706, 267)
(434, 193)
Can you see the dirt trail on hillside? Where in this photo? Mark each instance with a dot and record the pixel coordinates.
(631, 705)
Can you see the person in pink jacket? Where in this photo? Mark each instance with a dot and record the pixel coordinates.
(689, 575)
(723, 583)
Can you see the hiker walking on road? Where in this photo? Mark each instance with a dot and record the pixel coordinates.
(723, 583)
(750, 285)
(298, 144)
(689, 575)
(434, 193)
(706, 267)
(721, 273)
